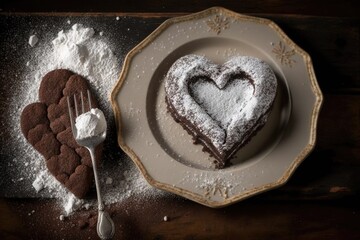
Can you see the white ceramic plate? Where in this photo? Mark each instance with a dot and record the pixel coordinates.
(164, 152)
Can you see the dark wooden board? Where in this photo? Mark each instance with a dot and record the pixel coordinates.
(319, 202)
(305, 7)
(253, 219)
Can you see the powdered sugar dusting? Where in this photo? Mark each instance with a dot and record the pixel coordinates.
(200, 91)
(223, 104)
(82, 50)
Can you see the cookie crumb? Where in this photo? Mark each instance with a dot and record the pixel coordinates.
(62, 217)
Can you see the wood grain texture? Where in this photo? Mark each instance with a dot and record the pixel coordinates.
(304, 7)
(321, 199)
(253, 219)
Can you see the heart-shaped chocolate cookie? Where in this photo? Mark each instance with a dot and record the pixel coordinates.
(46, 125)
(221, 106)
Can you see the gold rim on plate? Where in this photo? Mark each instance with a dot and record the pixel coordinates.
(218, 21)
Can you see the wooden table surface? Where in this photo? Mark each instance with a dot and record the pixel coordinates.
(321, 200)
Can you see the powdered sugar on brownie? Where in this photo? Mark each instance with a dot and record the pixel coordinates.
(225, 102)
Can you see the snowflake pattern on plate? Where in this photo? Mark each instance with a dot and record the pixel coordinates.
(218, 23)
(216, 187)
(284, 55)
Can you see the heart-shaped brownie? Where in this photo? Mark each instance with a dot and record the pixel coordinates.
(221, 106)
(46, 126)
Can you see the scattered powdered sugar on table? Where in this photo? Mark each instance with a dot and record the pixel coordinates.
(33, 39)
(85, 52)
